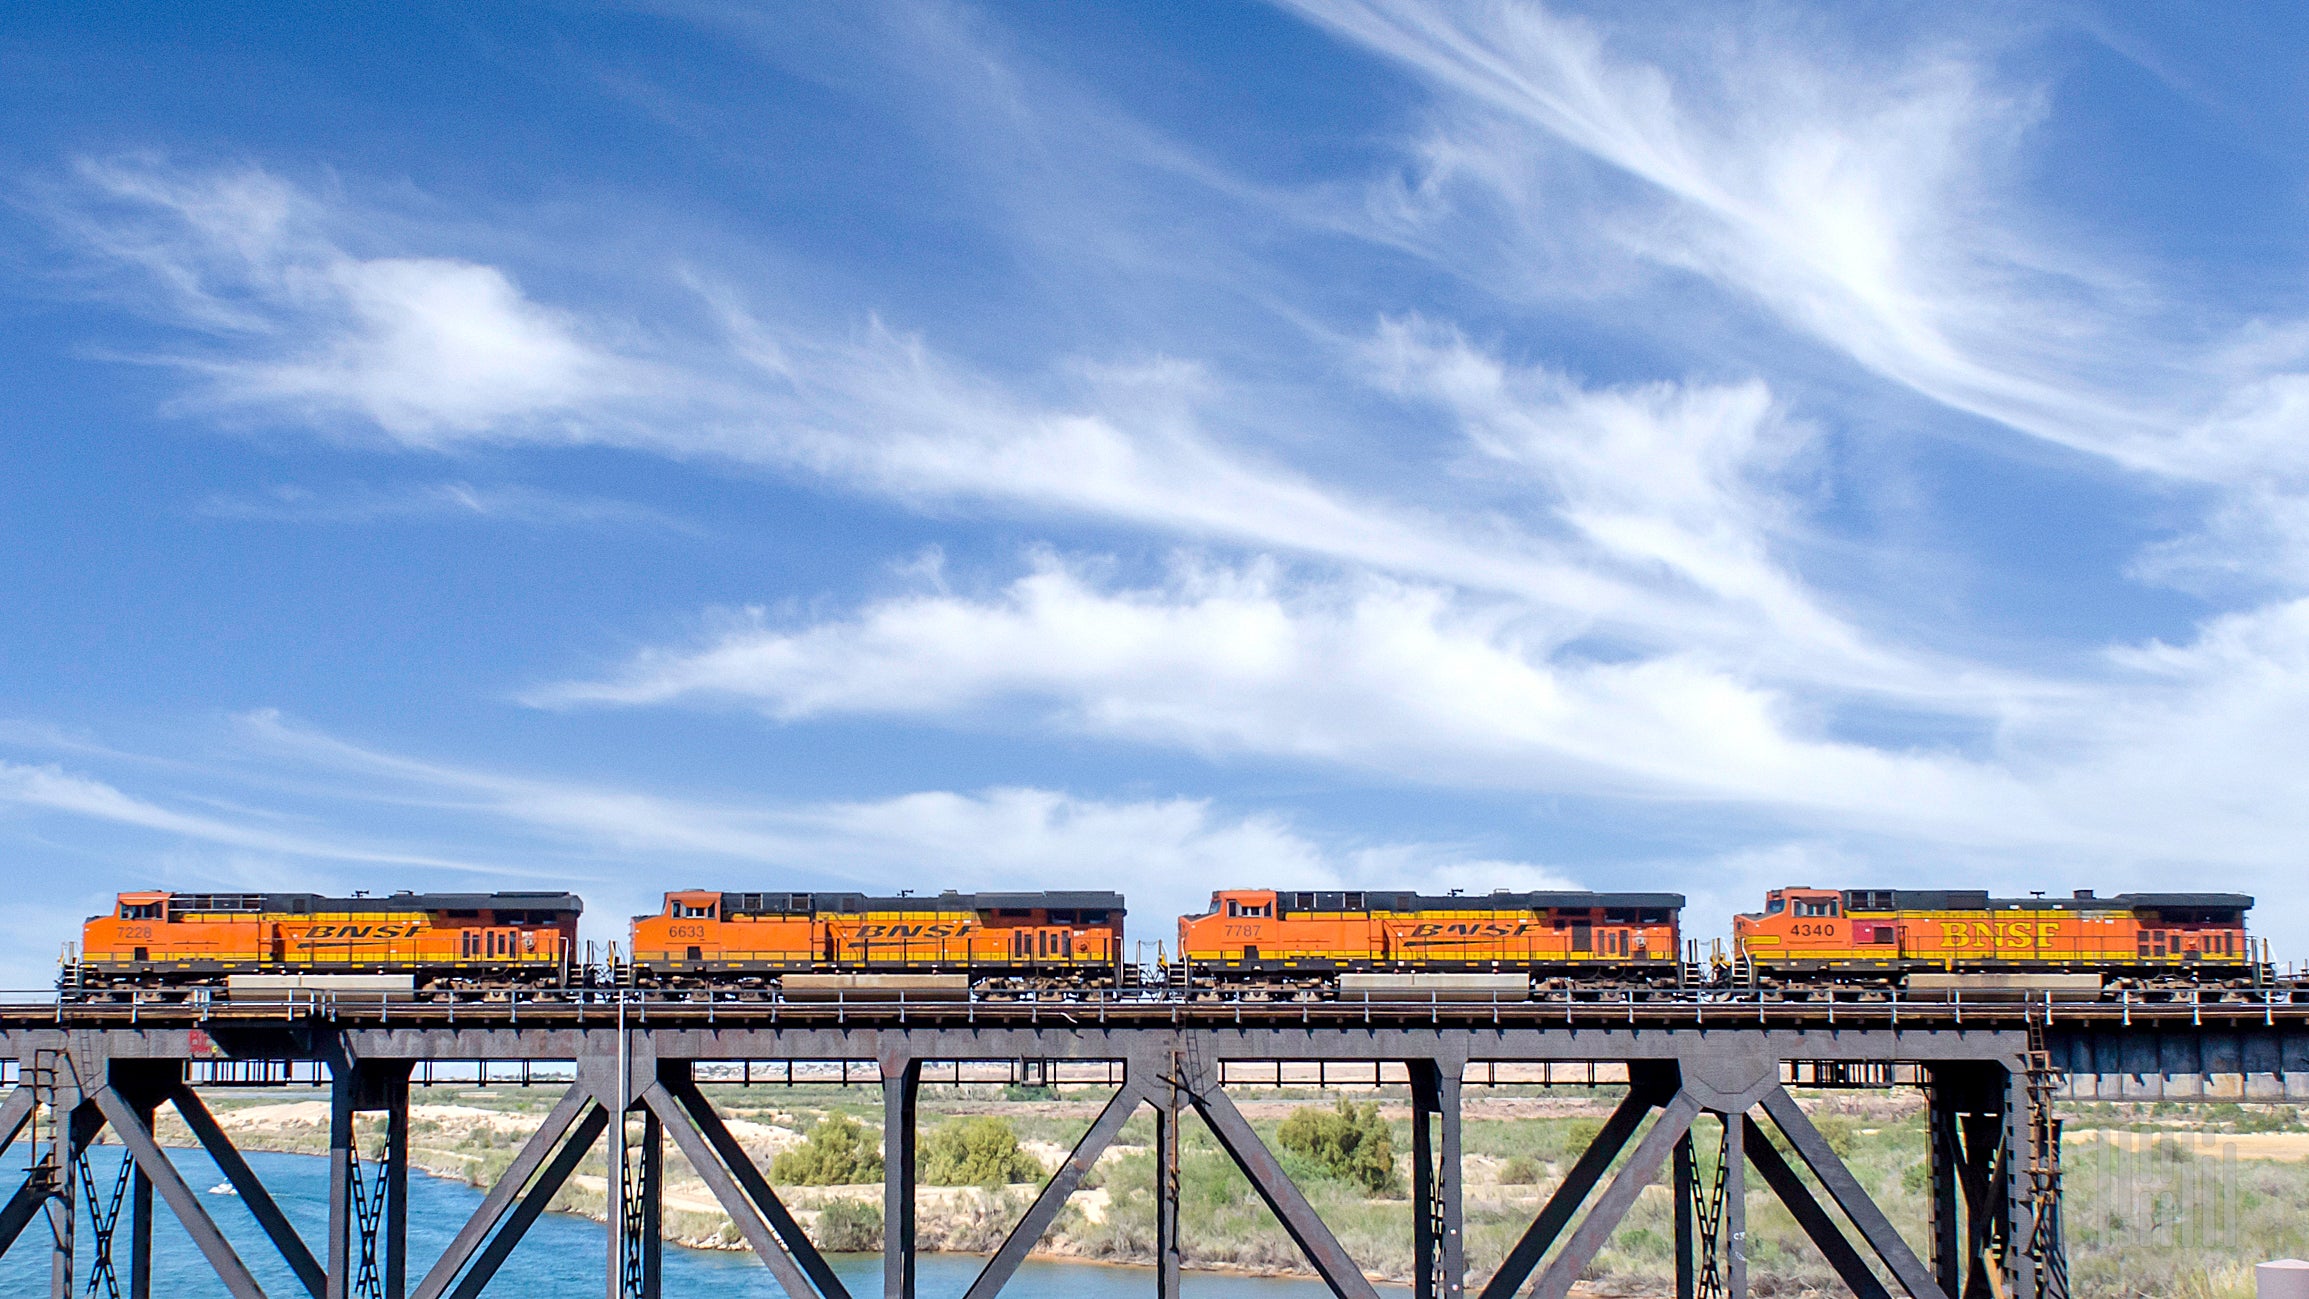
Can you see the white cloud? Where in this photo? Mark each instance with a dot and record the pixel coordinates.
(437, 354)
(502, 503)
(1381, 675)
(1857, 200)
(50, 788)
(430, 350)
(1875, 199)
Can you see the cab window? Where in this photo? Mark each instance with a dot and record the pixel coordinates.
(1775, 906)
(140, 911)
(1815, 906)
(689, 911)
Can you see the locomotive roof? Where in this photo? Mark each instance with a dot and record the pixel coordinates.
(950, 900)
(1501, 899)
(302, 903)
(2084, 900)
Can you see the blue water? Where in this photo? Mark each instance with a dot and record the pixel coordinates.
(561, 1256)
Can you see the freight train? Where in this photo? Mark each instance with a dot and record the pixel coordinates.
(1250, 944)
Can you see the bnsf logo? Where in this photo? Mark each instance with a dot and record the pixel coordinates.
(409, 929)
(1472, 929)
(1998, 933)
(937, 929)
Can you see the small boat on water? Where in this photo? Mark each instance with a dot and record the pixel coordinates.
(223, 1188)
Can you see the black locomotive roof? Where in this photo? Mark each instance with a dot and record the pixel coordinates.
(1497, 900)
(2083, 900)
(950, 900)
(307, 903)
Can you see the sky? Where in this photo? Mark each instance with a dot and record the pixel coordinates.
(1366, 443)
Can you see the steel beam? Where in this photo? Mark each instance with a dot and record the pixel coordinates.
(2013, 1187)
(502, 1195)
(710, 1169)
(1806, 1210)
(1643, 1164)
(757, 1188)
(15, 1113)
(533, 1203)
(1063, 1183)
(64, 1250)
(1169, 1258)
(140, 1214)
(135, 1134)
(1849, 1195)
(1687, 1174)
(249, 1188)
(1438, 1207)
(651, 1283)
(1735, 1205)
(901, 1086)
(1284, 1199)
(397, 1186)
(1556, 1214)
(344, 1165)
(33, 1192)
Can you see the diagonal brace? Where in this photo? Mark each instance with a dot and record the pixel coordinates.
(1811, 1217)
(710, 1169)
(1555, 1280)
(1556, 1215)
(155, 1165)
(1063, 1184)
(15, 1112)
(757, 1188)
(501, 1196)
(251, 1189)
(1849, 1195)
(533, 1202)
(1283, 1197)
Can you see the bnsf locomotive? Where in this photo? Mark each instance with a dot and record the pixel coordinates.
(1940, 939)
(1500, 944)
(820, 942)
(405, 941)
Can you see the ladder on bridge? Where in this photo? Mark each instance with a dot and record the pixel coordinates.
(2046, 1246)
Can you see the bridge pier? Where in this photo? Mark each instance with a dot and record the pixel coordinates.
(368, 1245)
(1438, 1212)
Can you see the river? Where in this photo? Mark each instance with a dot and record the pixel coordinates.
(562, 1256)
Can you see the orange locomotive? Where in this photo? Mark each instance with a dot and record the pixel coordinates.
(822, 941)
(1391, 941)
(1913, 935)
(415, 940)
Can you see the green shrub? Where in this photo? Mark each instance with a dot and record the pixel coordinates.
(1522, 1170)
(1029, 1092)
(2268, 1118)
(838, 1153)
(1350, 1142)
(975, 1152)
(849, 1227)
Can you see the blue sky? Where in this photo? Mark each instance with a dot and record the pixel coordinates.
(1158, 447)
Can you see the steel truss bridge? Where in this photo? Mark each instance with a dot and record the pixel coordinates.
(1704, 1072)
